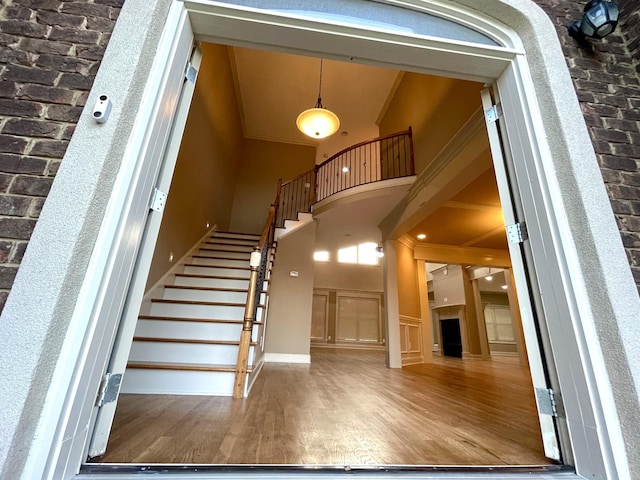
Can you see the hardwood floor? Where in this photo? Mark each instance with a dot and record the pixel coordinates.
(345, 408)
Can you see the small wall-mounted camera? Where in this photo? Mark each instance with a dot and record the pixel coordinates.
(102, 109)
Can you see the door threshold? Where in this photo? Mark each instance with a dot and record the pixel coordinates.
(99, 471)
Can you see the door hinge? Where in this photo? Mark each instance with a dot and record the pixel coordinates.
(549, 402)
(109, 388)
(191, 73)
(493, 113)
(158, 200)
(517, 233)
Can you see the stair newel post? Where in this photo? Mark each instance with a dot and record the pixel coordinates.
(247, 326)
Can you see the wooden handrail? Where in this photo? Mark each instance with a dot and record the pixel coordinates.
(258, 265)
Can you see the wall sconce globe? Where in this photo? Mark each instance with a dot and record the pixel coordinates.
(599, 20)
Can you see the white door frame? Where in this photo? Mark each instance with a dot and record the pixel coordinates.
(554, 243)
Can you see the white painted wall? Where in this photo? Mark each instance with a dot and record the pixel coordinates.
(346, 276)
(289, 318)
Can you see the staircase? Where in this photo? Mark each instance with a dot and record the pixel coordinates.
(205, 335)
(188, 343)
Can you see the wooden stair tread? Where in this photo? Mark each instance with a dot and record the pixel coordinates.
(199, 367)
(199, 302)
(189, 319)
(195, 341)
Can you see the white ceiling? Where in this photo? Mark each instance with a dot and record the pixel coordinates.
(273, 88)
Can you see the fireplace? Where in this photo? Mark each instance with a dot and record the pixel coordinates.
(451, 338)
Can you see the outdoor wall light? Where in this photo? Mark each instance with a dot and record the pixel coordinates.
(599, 20)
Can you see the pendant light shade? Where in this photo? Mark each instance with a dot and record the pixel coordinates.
(318, 122)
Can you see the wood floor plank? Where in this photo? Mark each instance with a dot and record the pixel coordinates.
(345, 408)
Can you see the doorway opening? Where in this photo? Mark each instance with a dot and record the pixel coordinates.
(239, 192)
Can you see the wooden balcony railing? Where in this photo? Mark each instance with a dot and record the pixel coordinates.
(382, 158)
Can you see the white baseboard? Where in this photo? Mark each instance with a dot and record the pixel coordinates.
(286, 358)
(504, 354)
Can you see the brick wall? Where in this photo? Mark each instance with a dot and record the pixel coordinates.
(606, 75)
(50, 51)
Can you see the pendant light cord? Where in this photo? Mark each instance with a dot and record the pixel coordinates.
(319, 104)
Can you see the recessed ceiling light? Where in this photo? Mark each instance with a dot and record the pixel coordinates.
(345, 169)
(421, 236)
(489, 277)
(504, 287)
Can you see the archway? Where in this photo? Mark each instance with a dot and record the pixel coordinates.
(517, 95)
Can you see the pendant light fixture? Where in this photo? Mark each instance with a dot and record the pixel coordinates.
(318, 122)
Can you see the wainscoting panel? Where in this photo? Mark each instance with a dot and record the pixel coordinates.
(411, 346)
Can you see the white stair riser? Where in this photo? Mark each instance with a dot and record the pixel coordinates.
(204, 295)
(234, 241)
(216, 271)
(217, 312)
(226, 246)
(169, 352)
(192, 330)
(215, 283)
(203, 252)
(184, 310)
(177, 382)
(220, 262)
(241, 236)
(195, 295)
(211, 282)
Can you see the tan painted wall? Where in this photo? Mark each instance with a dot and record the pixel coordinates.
(289, 320)
(261, 164)
(408, 296)
(343, 276)
(204, 179)
(418, 103)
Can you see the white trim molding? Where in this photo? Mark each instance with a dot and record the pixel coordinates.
(286, 358)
